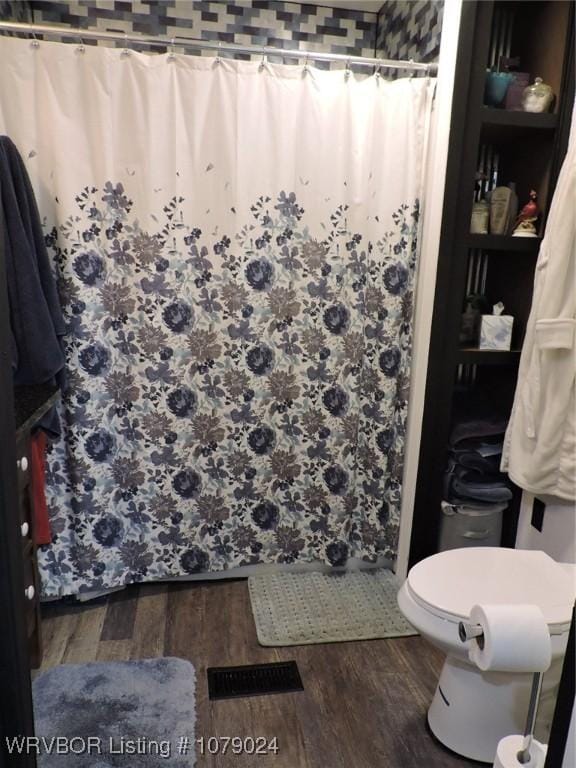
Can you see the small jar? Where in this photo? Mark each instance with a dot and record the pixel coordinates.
(537, 97)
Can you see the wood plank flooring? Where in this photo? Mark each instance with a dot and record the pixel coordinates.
(364, 703)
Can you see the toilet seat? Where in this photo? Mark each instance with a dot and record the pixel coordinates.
(448, 584)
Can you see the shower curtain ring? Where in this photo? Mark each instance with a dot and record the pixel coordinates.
(377, 73)
(218, 59)
(264, 61)
(411, 62)
(126, 51)
(171, 52)
(347, 73)
(305, 70)
(35, 43)
(81, 48)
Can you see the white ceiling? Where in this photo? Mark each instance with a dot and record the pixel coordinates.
(372, 6)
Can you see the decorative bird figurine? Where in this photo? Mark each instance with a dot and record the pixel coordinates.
(526, 222)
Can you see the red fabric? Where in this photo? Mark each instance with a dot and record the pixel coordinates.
(42, 532)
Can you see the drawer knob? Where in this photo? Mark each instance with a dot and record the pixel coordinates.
(24, 529)
(30, 592)
(23, 463)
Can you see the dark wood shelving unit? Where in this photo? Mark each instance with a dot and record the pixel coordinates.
(507, 146)
(504, 243)
(31, 403)
(522, 120)
(472, 356)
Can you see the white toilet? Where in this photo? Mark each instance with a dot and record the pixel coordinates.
(472, 710)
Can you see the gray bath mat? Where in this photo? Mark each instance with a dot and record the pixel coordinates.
(104, 710)
(305, 608)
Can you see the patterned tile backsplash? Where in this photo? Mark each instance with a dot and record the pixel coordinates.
(15, 11)
(277, 24)
(401, 29)
(410, 29)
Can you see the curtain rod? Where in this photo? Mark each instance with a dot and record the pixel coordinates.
(217, 47)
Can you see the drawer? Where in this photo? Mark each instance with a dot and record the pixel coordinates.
(23, 469)
(32, 606)
(31, 600)
(25, 512)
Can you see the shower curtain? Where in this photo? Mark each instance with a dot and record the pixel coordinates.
(235, 245)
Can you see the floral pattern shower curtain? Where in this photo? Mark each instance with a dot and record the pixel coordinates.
(236, 248)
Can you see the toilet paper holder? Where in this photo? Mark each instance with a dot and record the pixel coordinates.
(467, 631)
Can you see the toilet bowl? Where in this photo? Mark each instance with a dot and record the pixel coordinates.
(472, 710)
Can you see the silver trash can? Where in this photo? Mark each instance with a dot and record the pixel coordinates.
(464, 525)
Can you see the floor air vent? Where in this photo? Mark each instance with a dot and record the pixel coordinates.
(254, 680)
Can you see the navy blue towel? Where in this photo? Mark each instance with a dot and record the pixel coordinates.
(36, 319)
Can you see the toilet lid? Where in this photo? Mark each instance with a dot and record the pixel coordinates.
(450, 583)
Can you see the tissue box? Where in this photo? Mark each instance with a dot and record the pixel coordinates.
(496, 331)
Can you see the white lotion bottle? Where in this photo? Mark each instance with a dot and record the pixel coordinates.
(500, 205)
(480, 218)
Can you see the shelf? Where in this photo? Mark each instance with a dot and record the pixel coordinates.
(504, 243)
(543, 121)
(472, 356)
(508, 146)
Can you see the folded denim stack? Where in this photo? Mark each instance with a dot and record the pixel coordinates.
(473, 474)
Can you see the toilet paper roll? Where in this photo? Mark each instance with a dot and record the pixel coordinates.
(507, 753)
(516, 639)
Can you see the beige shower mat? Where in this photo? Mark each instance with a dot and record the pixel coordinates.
(308, 608)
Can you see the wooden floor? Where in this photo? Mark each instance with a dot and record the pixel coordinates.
(364, 703)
